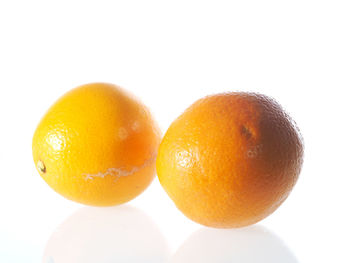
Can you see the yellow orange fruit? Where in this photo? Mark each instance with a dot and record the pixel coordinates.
(230, 159)
(97, 145)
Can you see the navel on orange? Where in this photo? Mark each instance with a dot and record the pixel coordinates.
(97, 145)
(230, 159)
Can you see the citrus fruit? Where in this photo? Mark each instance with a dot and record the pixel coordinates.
(230, 159)
(97, 145)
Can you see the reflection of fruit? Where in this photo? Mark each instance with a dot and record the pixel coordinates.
(230, 159)
(112, 234)
(97, 145)
(253, 244)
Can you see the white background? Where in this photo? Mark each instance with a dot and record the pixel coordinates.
(170, 53)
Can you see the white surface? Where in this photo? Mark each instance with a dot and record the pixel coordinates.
(170, 53)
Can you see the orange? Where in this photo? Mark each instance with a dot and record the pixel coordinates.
(97, 145)
(230, 159)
